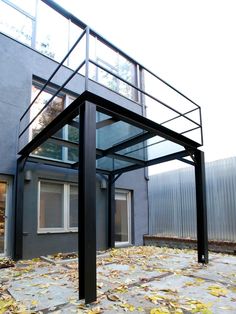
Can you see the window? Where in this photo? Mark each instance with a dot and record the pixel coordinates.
(57, 207)
(122, 217)
(51, 149)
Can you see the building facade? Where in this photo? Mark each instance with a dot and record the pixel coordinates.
(50, 216)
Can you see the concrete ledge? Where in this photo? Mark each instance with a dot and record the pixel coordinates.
(184, 243)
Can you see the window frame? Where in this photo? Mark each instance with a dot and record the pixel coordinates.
(67, 100)
(128, 194)
(66, 208)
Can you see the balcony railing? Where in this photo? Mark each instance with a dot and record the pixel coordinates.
(97, 60)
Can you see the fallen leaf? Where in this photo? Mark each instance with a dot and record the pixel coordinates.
(217, 291)
(113, 297)
(160, 310)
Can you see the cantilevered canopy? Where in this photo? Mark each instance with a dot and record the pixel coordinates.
(108, 138)
(125, 140)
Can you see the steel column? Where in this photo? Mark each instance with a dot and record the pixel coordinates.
(202, 236)
(87, 203)
(111, 211)
(18, 245)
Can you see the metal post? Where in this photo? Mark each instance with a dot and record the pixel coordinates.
(87, 59)
(87, 203)
(202, 236)
(111, 211)
(18, 246)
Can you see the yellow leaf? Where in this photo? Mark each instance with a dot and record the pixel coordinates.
(155, 298)
(121, 289)
(34, 302)
(217, 291)
(95, 310)
(198, 306)
(128, 306)
(160, 310)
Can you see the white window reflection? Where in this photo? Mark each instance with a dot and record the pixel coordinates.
(51, 33)
(15, 24)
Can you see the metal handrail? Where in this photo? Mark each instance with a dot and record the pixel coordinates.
(87, 31)
(143, 92)
(55, 71)
(51, 99)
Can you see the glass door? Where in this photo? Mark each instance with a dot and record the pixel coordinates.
(122, 217)
(3, 193)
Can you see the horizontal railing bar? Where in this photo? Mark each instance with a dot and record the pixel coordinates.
(169, 85)
(187, 112)
(142, 91)
(57, 92)
(53, 74)
(82, 25)
(19, 9)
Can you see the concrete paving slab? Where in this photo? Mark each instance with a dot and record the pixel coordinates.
(135, 280)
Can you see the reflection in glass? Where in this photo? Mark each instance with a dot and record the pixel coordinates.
(122, 217)
(114, 63)
(15, 24)
(51, 205)
(52, 33)
(115, 132)
(73, 206)
(49, 148)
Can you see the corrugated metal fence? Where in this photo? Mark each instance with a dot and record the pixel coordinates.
(172, 204)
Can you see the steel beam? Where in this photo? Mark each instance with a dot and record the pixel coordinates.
(18, 245)
(87, 203)
(202, 236)
(121, 113)
(152, 162)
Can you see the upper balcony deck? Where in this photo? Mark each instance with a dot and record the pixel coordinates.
(139, 119)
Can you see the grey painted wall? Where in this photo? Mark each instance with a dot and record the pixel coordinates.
(18, 65)
(36, 244)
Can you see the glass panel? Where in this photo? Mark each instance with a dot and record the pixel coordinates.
(52, 38)
(138, 151)
(73, 206)
(158, 149)
(150, 149)
(15, 24)
(114, 132)
(50, 150)
(121, 218)
(110, 164)
(52, 110)
(77, 56)
(163, 92)
(3, 191)
(115, 63)
(73, 136)
(26, 5)
(51, 205)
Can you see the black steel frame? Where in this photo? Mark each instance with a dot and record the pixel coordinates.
(86, 105)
